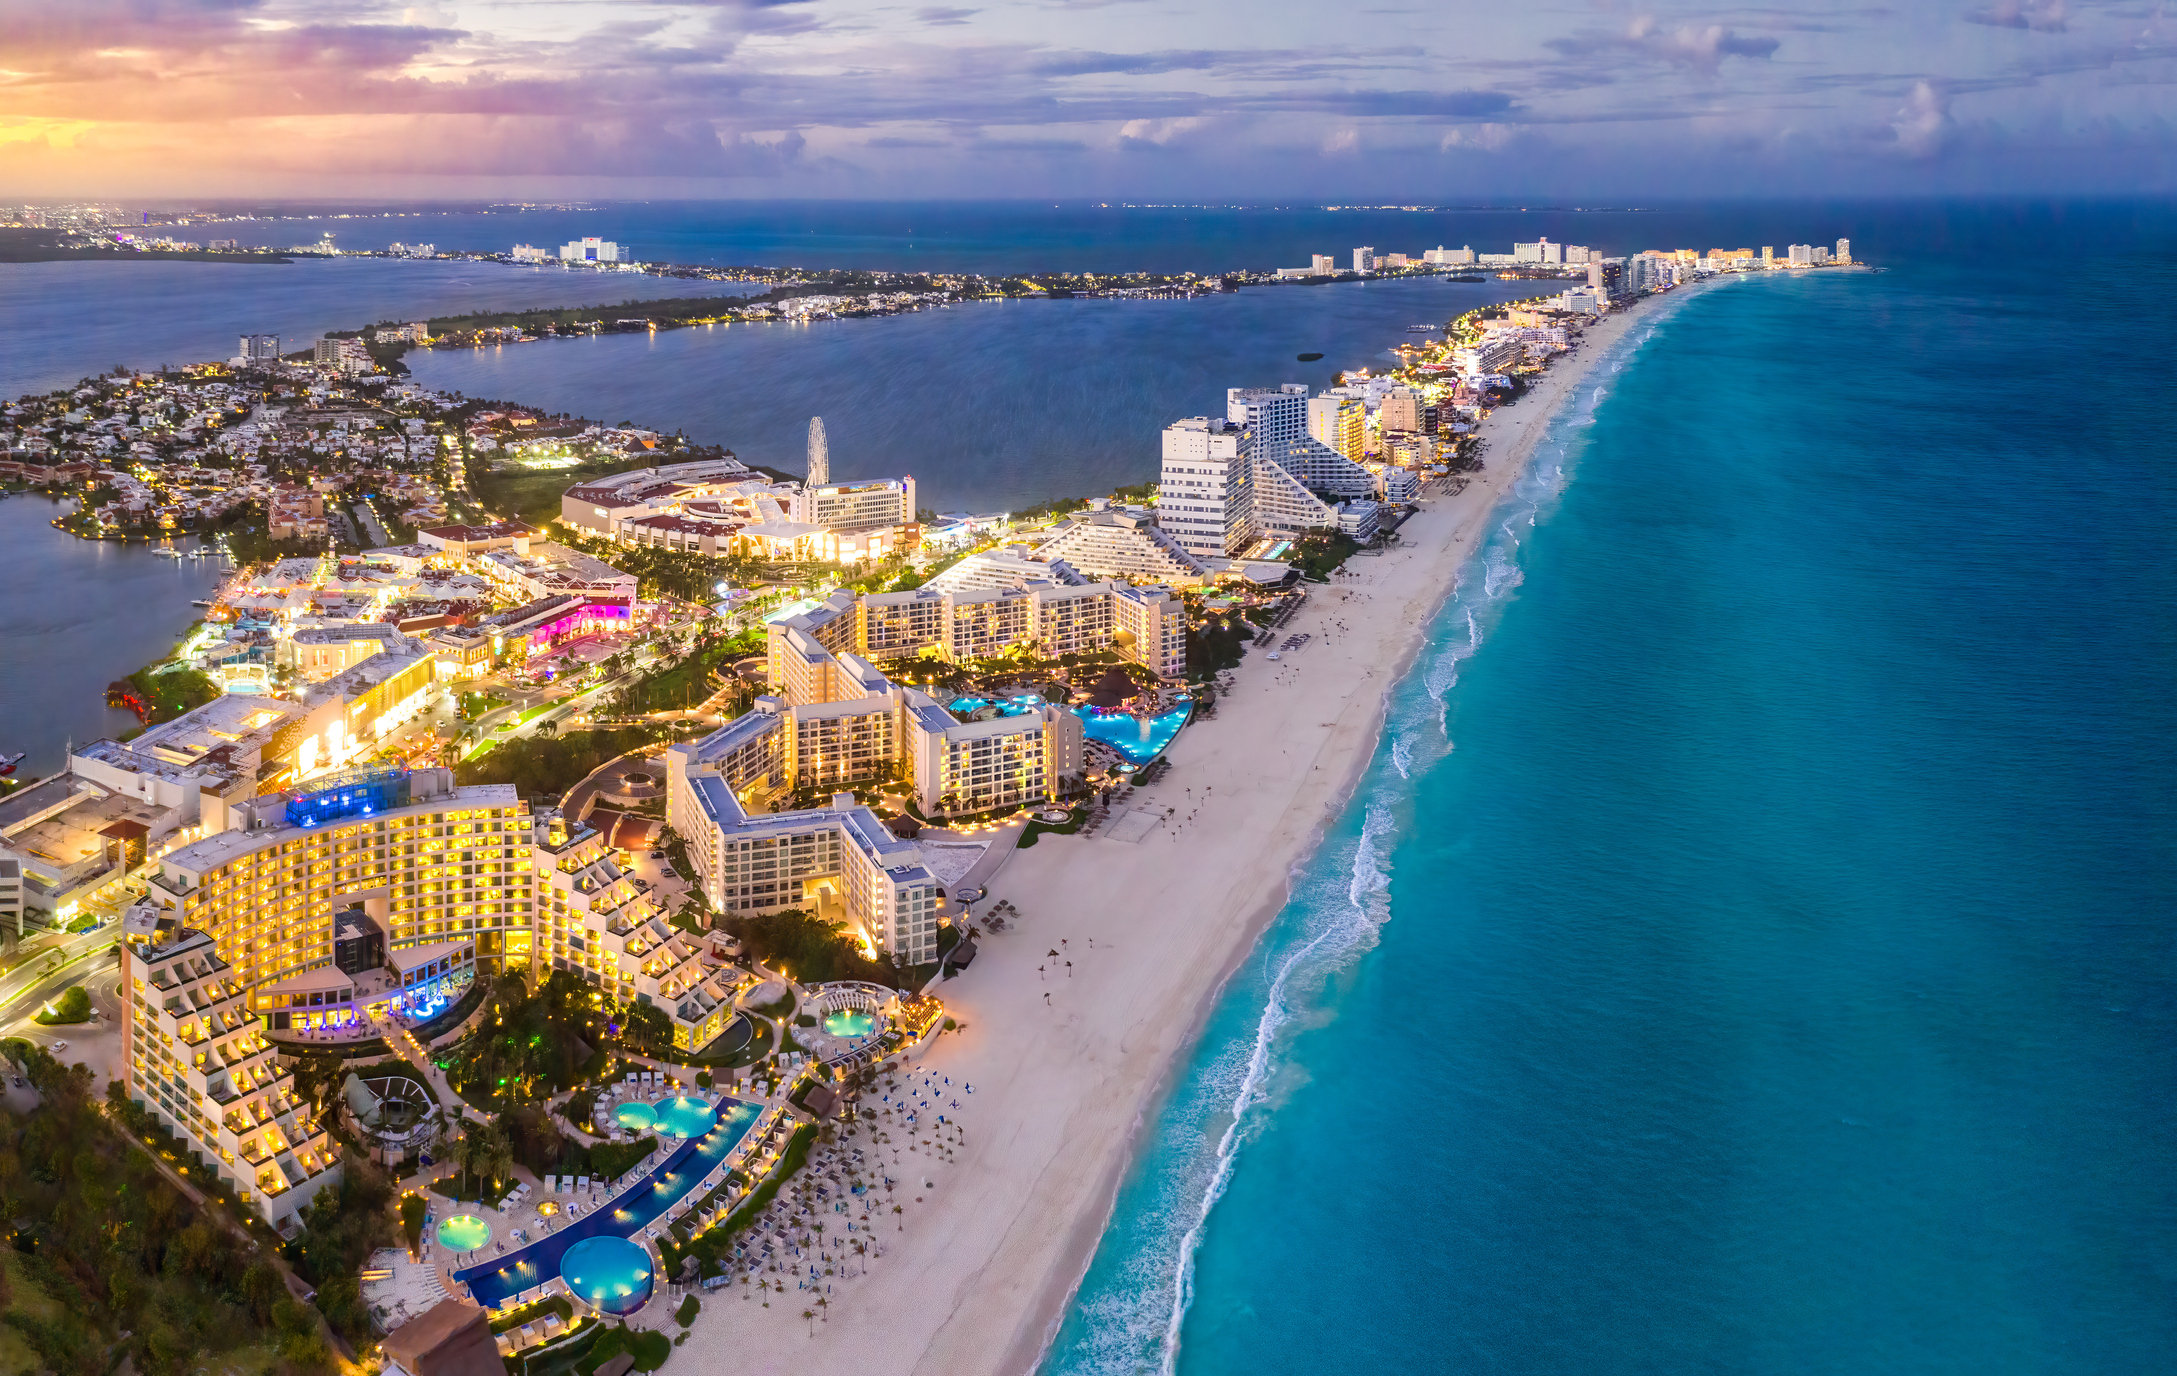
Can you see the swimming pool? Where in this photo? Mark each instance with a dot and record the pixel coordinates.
(635, 1117)
(1137, 740)
(1007, 707)
(492, 1283)
(463, 1233)
(683, 1116)
(850, 1023)
(609, 1273)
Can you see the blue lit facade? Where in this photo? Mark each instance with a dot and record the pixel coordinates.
(359, 792)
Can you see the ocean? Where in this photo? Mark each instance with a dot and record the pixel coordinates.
(1750, 949)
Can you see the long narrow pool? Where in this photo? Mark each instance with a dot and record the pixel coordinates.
(637, 1207)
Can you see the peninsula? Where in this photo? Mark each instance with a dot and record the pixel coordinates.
(723, 902)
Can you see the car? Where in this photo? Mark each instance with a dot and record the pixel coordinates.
(657, 855)
(60, 1046)
(669, 872)
(21, 1083)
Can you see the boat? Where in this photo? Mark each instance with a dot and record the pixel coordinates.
(8, 763)
(1423, 329)
(165, 553)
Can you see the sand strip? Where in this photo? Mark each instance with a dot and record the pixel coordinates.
(1068, 1053)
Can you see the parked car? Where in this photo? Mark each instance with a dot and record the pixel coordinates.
(669, 872)
(657, 855)
(59, 1047)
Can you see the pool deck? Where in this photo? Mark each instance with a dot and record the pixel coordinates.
(602, 1207)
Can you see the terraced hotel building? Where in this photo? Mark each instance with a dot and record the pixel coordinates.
(242, 945)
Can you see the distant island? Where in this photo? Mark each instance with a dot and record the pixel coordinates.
(45, 246)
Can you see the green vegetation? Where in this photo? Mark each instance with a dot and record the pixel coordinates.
(546, 767)
(814, 951)
(610, 1160)
(1036, 827)
(172, 691)
(341, 1228)
(474, 705)
(1320, 553)
(1217, 644)
(687, 682)
(413, 1210)
(685, 1315)
(649, 1348)
(106, 1246)
(529, 1046)
(531, 1313)
(74, 1005)
(532, 494)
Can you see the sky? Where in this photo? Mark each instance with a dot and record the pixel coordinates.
(1449, 102)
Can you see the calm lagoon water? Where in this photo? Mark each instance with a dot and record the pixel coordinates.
(989, 406)
(68, 321)
(74, 616)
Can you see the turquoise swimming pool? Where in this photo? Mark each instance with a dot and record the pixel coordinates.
(610, 1273)
(635, 1117)
(463, 1233)
(850, 1023)
(685, 1165)
(683, 1116)
(1139, 740)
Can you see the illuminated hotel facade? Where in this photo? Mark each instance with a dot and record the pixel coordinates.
(242, 945)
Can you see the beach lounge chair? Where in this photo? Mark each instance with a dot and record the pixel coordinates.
(506, 1345)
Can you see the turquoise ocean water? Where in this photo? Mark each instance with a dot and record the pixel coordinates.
(1750, 948)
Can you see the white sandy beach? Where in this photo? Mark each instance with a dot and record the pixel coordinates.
(978, 1278)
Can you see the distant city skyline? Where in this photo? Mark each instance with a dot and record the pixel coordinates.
(796, 98)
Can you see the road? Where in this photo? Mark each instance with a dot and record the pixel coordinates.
(368, 520)
(50, 971)
(94, 1043)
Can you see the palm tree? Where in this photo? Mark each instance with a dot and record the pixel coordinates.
(810, 1314)
(318, 1077)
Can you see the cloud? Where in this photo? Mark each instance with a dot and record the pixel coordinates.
(104, 95)
(1030, 145)
(1489, 138)
(1701, 48)
(1922, 125)
(2044, 16)
(1159, 135)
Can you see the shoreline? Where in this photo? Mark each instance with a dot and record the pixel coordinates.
(1072, 1061)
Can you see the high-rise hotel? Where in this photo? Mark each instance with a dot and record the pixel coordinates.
(245, 940)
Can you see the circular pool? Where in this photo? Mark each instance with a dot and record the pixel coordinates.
(463, 1233)
(634, 1117)
(683, 1116)
(608, 1273)
(851, 1023)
